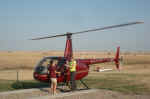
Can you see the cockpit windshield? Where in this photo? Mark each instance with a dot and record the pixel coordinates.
(43, 65)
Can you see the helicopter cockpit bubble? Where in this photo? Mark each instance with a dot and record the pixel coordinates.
(43, 65)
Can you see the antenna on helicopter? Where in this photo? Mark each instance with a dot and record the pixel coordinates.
(91, 30)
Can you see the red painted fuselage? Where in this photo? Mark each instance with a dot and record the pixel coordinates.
(82, 67)
(41, 72)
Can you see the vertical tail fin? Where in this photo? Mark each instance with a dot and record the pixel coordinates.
(117, 58)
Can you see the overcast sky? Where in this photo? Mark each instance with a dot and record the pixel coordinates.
(21, 20)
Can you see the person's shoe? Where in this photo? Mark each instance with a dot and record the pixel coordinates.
(55, 94)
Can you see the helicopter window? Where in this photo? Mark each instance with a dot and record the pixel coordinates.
(61, 62)
(43, 65)
(46, 62)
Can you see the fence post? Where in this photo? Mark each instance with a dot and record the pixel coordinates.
(17, 75)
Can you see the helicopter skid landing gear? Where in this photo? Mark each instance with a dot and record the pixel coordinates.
(84, 84)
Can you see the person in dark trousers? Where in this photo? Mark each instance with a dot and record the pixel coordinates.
(72, 68)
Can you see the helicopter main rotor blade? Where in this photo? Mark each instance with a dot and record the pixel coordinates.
(109, 27)
(91, 30)
(49, 37)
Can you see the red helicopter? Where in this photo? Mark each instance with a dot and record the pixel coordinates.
(41, 70)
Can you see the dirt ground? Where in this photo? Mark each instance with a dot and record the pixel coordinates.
(42, 93)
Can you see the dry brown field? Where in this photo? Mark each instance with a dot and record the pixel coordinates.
(135, 66)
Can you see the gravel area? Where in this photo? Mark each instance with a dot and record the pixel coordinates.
(93, 94)
(24, 94)
(42, 93)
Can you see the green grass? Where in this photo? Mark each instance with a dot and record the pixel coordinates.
(121, 82)
(9, 85)
(5, 85)
(125, 83)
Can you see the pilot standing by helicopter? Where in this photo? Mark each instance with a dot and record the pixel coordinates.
(72, 68)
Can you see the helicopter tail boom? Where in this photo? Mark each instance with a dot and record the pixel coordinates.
(103, 60)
